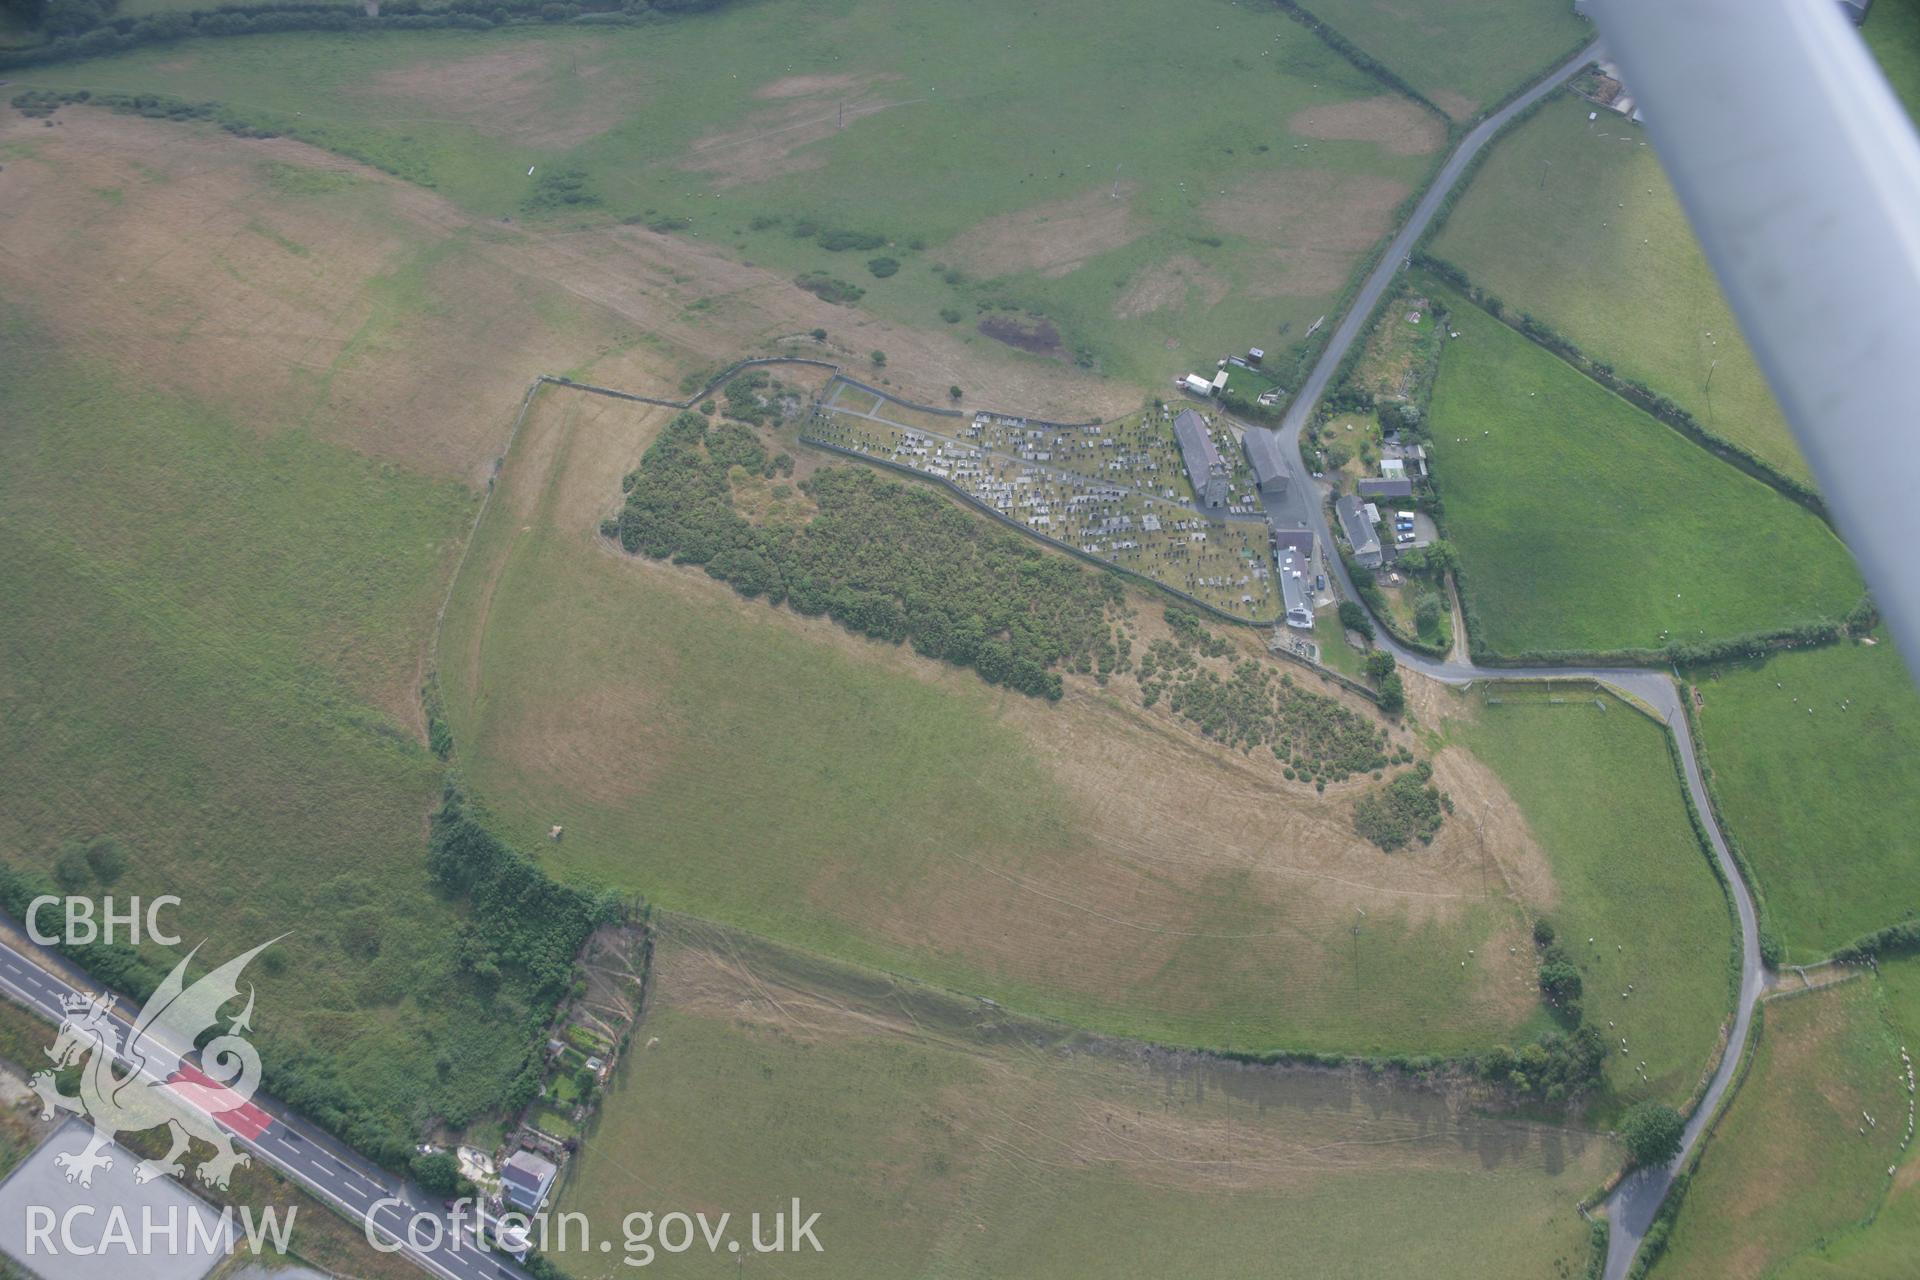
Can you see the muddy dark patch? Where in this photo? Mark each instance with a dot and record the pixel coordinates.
(1036, 336)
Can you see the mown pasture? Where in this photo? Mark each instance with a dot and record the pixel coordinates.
(1882, 1247)
(1573, 222)
(1464, 58)
(1136, 189)
(1584, 524)
(935, 1134)
(1815, 758)
(1793, 1162)
(1637, 907)
(1091, 860)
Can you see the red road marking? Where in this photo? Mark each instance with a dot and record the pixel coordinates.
(226, 1107)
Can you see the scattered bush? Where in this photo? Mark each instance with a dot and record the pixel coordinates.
(829, 289)
(883, 267)
(841, 241)
(1407, 808)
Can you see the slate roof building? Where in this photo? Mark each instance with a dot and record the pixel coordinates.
(1204, 468)
(1293, 589)
(526, 1178)
(1263, 455)
(1359, 530)
(1379, 487)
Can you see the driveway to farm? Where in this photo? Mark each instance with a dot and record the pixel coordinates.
(1634, 1202)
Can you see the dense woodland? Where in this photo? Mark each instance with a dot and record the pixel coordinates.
(890, 560)
(523, 931)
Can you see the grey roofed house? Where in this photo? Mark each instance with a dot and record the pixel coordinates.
(1293, 589)
(1300, 540)
(1386, 488)
(1264, 456)
(1204, 468)
(526, 1178)
(1360, 532)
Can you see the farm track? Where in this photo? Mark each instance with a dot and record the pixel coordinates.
(1634, 1202)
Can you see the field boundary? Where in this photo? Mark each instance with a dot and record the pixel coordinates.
(1465, 181)
(1637, 394)
(493, 476)
(1771, 947)
(1364, 62)
(1809, 633)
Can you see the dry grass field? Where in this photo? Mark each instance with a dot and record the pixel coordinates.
(935, 1135)
(297, 288)
(1090, 860)
(1005, 156)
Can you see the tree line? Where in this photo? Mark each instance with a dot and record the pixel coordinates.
(91, 28)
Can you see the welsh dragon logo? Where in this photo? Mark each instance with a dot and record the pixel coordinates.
(126, 1088)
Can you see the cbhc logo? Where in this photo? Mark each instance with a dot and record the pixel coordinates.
(83, 928)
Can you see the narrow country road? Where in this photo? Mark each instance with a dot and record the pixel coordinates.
(364, 1193)
(1634, 1202)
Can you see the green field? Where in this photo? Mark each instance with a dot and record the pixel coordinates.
(935, 1136)
(209, 647)
(1465, 57)
(1883, 1248)
(1142, 191)
(1790, 1164)
(1598, 788)
(1584, 524)
(1582, 231)
(1824, 801)
(1893, 33)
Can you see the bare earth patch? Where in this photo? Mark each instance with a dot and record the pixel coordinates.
(1316, 223)
(1167, 284)
(513, 94)
(1052, 238)
(1398, 124)
(770, 142)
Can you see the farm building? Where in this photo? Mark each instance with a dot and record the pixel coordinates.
(526, 1178)
(1386, 488)
(1204, 468)
(1263, 455)
(1359, 530)
(1293, 589)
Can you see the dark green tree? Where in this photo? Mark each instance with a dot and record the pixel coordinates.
(1652, 1131)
